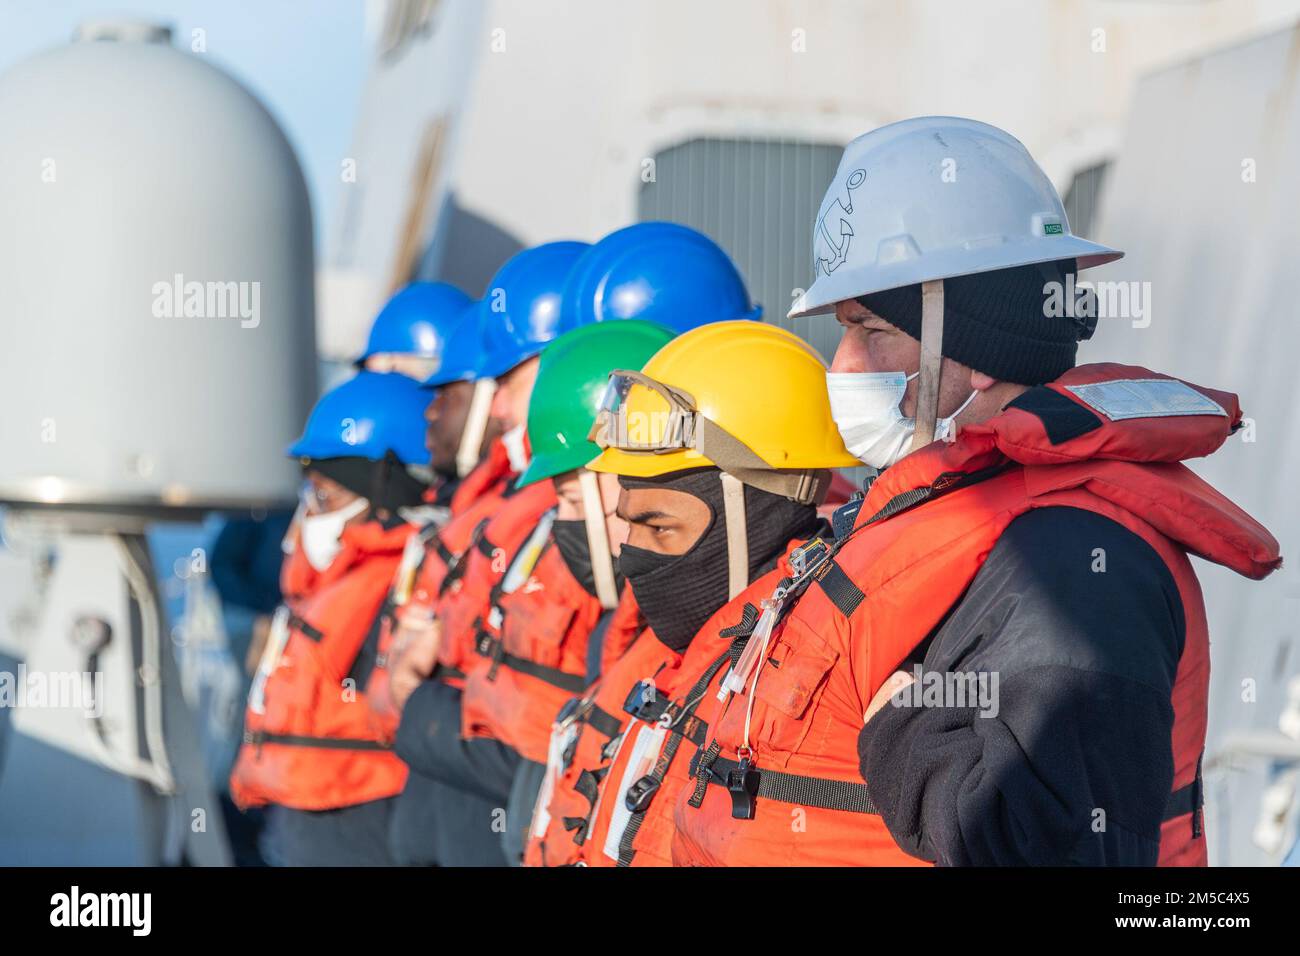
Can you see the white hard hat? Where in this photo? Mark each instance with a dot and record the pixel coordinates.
(933, 198)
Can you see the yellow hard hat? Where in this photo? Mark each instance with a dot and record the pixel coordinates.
(746, 397)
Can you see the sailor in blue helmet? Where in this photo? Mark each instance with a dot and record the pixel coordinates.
(484, 382)
(410, 333)
(460, 431)
(314, 751)
(486, 375)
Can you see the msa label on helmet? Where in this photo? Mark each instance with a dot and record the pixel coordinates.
(1053, 229)
(1145, 398)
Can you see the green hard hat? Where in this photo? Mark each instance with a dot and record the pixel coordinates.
(570, 383)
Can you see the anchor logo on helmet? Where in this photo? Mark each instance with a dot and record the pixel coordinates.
(839, 244)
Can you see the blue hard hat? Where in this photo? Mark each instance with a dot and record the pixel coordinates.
(660, 272)
(520, 311)
(367, 416)
(462, 352)
(416, 321)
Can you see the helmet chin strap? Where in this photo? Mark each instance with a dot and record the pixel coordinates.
(476, 420)
(927, 385)
(602, 564)
(733, 504)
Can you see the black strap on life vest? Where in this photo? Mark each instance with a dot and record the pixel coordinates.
(945, 483)
(839, 587)
(367, 659)
(494, 649)
(445, 553)
(707, 767)
(583, 712)
(605, 723)
(457, 563)
(745, 626)
(1188, 799)
(586, 786)
(640, 794)
(305, 627)
(588, 783)
(258, 737)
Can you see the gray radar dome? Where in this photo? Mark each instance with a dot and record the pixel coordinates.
(156, 281)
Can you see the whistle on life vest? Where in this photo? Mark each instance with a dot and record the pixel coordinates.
(742, 784)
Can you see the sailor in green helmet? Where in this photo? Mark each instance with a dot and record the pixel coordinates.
(557, 611)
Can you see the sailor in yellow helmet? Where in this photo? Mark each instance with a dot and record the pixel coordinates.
(724, 444)
(733, 414)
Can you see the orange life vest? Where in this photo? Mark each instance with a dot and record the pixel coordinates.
(666, 715)
(434, 555)
(310, 739)
(487, 479)
(534, 649)
(923, 533)
(582, 741)
(466, 599)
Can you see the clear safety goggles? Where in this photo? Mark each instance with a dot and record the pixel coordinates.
(668, 420)
(672, 427)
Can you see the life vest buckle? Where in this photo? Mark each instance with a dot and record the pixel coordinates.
(611, 747)
(808, 556)
(641, 698)
(640, 793)
(568, 712)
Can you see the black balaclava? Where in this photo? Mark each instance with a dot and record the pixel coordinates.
(678, 593)
(571, 540)
(386, 483)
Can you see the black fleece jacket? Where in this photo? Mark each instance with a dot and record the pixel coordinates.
(1073, 765)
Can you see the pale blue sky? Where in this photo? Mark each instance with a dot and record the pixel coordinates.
(304, 58)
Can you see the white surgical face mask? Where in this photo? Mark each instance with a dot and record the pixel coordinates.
(320, 534)
(867, 408)
(516, 450)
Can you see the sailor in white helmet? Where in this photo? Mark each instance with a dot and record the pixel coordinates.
(1002, 658)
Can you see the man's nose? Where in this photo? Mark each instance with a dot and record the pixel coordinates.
(850, 354)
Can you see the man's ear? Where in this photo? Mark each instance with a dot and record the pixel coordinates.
(981, 382)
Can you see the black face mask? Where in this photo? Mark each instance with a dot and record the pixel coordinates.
(571, 540)
(678, 593)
